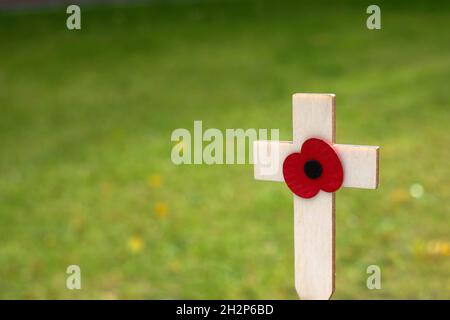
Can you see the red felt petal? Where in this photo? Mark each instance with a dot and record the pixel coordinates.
(316, 149)
(295, 177)
(332, 174)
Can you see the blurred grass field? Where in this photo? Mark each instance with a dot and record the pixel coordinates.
(85, 125)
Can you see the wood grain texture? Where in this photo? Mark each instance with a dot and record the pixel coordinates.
(313, 116)
(314, 242)
(268, 157)
(360, 164)
(314, 219)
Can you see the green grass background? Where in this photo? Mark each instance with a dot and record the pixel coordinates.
(85, 123)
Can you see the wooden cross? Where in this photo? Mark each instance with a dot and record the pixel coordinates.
(314, 218)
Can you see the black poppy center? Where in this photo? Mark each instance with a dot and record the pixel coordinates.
(313, 169)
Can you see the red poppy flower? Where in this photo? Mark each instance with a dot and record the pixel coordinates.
(317, 167)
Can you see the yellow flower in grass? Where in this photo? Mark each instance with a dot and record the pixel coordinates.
(432, 248)
(438, 248)
(109, 295)
(398, 197)
(135, 244)
(161, 209)
(154, 181)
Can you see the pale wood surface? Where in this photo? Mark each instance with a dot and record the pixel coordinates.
(268, 157)
(314, 234)
(313, 116)
(314, 219)
(360, 163)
